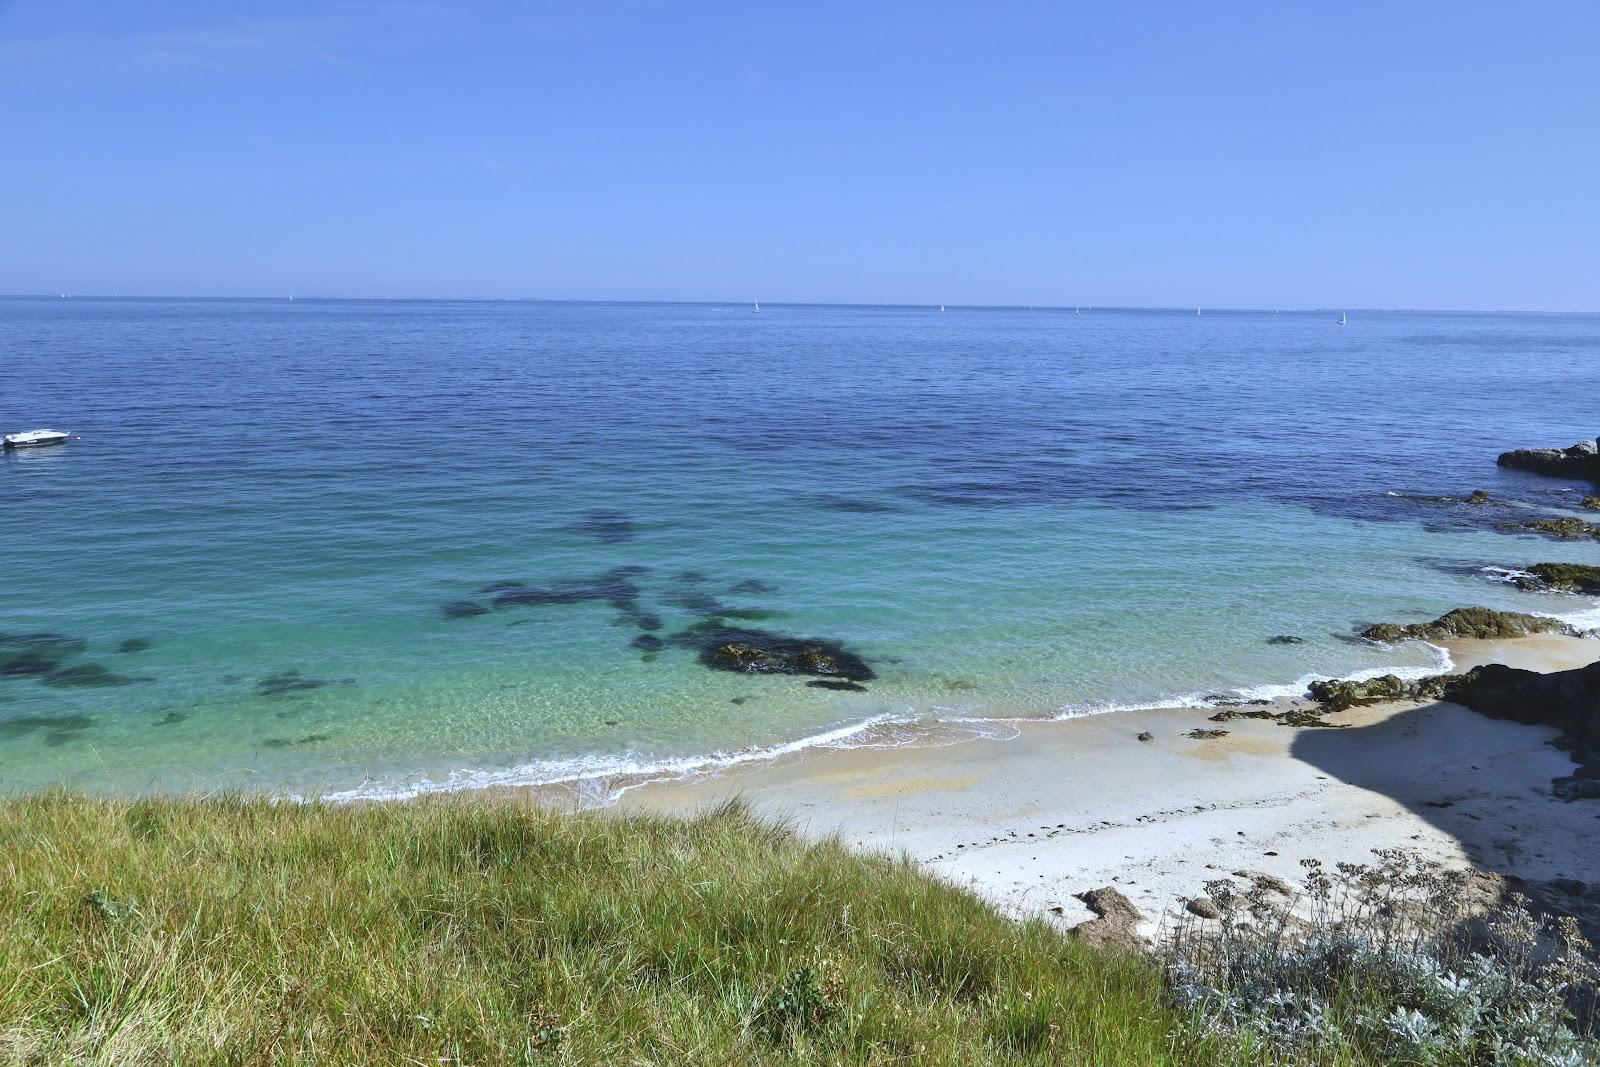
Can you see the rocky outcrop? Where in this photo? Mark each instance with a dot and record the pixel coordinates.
(1590, 503)
(1564, 577)
(1582, 460)
(1567, 528)
(751, 651)
(1567, 700)
(1467, 622)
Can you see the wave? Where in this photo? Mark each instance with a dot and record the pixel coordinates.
(603, 779)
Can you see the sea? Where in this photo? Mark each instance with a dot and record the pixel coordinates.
(378, 548)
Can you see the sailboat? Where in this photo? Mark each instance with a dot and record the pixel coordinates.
(758, 307)
(1197, 311)
(941, 307)
(1341, 318)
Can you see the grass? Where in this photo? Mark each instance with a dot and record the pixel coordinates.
(489, 931)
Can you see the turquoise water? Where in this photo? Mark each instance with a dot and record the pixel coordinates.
(1005, 512)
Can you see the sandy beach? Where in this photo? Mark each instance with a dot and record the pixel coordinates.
(1030, 813)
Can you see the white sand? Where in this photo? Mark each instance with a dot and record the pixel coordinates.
(1029, 813)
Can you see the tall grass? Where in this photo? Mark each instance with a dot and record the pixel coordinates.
(489, 931)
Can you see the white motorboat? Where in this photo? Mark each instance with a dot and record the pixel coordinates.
(35, 439)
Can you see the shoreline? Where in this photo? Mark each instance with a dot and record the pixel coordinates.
(1028, 813)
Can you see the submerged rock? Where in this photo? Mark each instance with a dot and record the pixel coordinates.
(171, 718)
(1565, 577)
(23, 665)
(27, 655)
(133, 644)
(690, 578)
(1286, 639)
(843, 687)
(1581, 460)
(54, 723)
(750, 651)
(1467, 622)
(1479, 496)
(609, 527)
(500, 587)
(647, 643)
(282, 682)
(462, 609)
(87, 675)
(1590, 503)
(751, 587)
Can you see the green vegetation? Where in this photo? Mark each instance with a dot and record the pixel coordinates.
(490, 932)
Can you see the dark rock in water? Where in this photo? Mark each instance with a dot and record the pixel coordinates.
(609, 527)
(844, 687)
(171, 718)
(751, 587)
(1566, 528)
(55, 723)
(751, 614)
(727, 648)
(739, 700)
(647, 643)
(1479, 496)
(462, 609)
(87, 675)
(613, 722)
(133, 644)
(26, 655)
(1468, 622)
(311, 739)
(501, 587)
(691, 578)
(647, 621)
(649, 657)
(854, 504)
(1286, 639)
(1566, 577)
(276, 742)
(611, 586)
(699, 603)
(1574, 788)
(1590, 503)
(629, 570)
(1582, 460)
(294, 682)
(23, 665)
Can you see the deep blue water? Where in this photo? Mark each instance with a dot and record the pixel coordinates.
(1006, 512)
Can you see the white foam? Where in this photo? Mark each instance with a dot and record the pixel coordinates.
(633, 769)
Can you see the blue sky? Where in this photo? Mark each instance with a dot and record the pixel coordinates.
(1391, 154)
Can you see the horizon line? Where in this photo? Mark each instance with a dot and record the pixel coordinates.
(1181, 308)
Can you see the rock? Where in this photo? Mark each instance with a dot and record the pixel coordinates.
(1567, 529)
(1206, 735)
(1582, 460)
(609, 527)
(28, 655)
(87, 676)
(726, 648)
(751, 586)
(133, 644)
(1341, 695)
(171, 718)
(1590, 503)
(1272, 883)
(501, 587)
(24, 665)
(1479, 496)
(1116, 923)
(1146, 736)
(1204, 907)
(843, 687)
(1567, 700)
(1575, 788)
(462, 609)
(647, 643)
(1233, 713)
(282, 682)
(55, 723)
(1567, 577)
(1467, 622)
(613, 587)
(1286, 639)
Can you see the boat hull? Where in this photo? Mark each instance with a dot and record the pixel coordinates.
(11, 445)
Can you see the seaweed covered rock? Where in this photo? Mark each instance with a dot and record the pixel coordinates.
(1479, 496)
(1566, 528)
(87, 675)
(1590, 503)
(1341, 695)
(750, 651)
(462, 609)
(1582, 460)
(30, 655)
(1565, 577)
(1467, 622)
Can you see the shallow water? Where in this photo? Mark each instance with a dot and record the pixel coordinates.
(1006, 512)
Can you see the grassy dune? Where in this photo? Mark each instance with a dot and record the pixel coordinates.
(489, 932)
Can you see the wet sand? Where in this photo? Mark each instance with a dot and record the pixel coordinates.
(1029, 813)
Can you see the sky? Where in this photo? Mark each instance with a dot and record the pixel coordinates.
(1389, 154)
